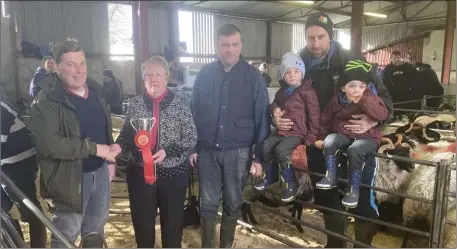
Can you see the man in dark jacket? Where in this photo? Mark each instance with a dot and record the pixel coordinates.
(229, 105)
(401, 78)
(264, 70)
(46, 67)
(429, 84)
(72, 129)
(325, 60)
(19, 163)
(113, 90)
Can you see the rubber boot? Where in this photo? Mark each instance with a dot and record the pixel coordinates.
(38, 234)
(351, 198)
(329, 180)
(207, 232)
(92, 240)
(364, 232)
(290, 182)
(227, 231)
(335, 223)
(270, 176)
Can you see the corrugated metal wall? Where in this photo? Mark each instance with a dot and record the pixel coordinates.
(203, 36)
(253, 33)
(43, 21)
(411, 51)
(282, 35)
(158, 28)
(299, 37)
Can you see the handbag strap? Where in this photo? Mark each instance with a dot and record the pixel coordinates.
(191, 187)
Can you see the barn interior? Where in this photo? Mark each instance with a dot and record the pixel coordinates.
(120, 35)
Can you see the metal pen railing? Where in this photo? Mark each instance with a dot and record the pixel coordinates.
(35, 210)
(10, 235)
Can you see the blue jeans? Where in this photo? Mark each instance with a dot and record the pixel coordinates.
(223, 170)
(96, 202)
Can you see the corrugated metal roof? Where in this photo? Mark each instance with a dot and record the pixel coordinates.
(411, 51)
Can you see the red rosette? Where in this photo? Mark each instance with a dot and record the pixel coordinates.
(143, 141)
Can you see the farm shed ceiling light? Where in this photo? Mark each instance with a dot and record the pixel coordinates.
(375, 14)
(305, 2)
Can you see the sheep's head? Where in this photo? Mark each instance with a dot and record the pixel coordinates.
(400, 148)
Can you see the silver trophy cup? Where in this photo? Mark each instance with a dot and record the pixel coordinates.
(142, 124)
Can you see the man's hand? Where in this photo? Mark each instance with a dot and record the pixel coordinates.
(360, 124)
(104, 152)
(256, 169)
(283, 124)
(115, 148)
(193, 159)
(278, 112)
(159, 156)
(112, 171)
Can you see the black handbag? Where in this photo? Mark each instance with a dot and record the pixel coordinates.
(191, 211)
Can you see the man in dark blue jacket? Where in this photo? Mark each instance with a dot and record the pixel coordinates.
(46, 67)
(325, 60)
(229, 105)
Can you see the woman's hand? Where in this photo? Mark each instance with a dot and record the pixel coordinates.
(159, 156)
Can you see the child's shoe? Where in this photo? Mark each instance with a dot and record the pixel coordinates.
(270, 176)
(351, 198)
(329, 181)
(290, 183)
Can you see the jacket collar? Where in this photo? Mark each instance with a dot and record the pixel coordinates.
(163, 104)
(53, 87)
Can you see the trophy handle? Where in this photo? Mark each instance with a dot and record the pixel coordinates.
(133, 125)
(153, 121)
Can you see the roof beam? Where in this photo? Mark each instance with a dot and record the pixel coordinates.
(303, 15)
(334, 11)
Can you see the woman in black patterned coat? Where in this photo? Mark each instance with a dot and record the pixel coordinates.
(171, 138)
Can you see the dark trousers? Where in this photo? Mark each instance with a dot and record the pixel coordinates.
(223, 170)
(280, 148)
(357, 150)
(167, 194)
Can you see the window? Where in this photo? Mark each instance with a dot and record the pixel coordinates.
(343, 36)
(197, 31)
(4, 12)
(120, 31)
(298, 37)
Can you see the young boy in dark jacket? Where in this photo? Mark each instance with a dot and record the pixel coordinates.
(357, 98)
(296, 100)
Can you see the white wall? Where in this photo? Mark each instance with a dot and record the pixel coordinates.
(435, 45)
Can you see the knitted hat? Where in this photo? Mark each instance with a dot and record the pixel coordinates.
(357, 70)
(291, 60)
(108, 72)
(322, 20)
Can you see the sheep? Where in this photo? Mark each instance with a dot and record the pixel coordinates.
(421, 185)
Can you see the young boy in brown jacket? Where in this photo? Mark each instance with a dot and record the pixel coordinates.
(297, 101)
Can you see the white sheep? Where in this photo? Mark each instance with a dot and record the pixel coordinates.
(421, 185)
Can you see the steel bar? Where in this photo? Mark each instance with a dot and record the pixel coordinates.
(438, 197)
(450, 194)
(319, 207)
(34, 209)
(450, 222)
(317, 228)
(268, 234)
(406, 159)
(444, 204)
(11, 231)
(119, 197)
(6, 238)
(119, 212)
(422, 111)
(375, 188)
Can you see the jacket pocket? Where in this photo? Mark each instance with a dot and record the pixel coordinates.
(64, 184)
